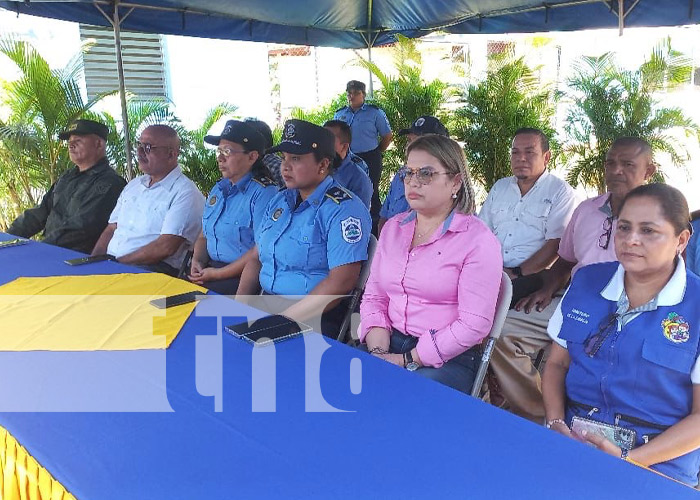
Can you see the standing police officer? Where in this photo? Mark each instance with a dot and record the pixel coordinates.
(371, 135)
(75, 210)
(313, 237)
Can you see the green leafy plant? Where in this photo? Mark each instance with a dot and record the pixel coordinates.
(609, 102)
(509, 98)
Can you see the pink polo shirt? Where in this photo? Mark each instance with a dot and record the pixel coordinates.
(579, 243)
(444, 291)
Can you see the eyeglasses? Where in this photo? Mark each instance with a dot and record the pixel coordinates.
(594, 342)
(226, 152)
(604, 240)
(423, 175)
(148, 147)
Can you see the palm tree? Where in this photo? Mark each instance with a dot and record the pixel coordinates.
(509, 98)
(609, 102)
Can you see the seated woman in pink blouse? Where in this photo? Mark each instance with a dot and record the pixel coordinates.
(432, 289)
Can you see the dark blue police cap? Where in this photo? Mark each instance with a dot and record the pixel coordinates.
(425, 124)
(241, 133)
(301, 137)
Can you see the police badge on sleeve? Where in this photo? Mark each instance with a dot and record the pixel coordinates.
(352, 229)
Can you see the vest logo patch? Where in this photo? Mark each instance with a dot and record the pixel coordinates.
(352, 230)
(578, 315)
(676, 328)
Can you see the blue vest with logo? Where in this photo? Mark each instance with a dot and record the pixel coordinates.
(640, 377)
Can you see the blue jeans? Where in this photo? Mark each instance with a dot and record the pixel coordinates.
(458, 373)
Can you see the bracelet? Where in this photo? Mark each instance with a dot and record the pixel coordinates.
(378, 350)
(623, 454)
(550, 423)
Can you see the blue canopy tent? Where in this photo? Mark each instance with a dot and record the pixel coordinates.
(352, 23)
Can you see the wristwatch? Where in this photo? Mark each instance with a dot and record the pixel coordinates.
(517, 271)
(408, 362)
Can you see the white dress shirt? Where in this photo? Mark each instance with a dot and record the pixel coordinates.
(172, 205)
(524, 223)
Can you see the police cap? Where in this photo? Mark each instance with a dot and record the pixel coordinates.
(302, 137)
(241, 133)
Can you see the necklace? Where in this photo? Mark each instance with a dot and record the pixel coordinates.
(431, 229)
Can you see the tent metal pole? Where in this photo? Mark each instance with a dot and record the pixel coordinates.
(122, 90)
(621, 15)
(370, 42)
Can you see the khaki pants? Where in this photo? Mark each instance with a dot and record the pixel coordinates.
(522, 337)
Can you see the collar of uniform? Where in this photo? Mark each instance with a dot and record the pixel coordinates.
(99, 166)
(167, 181)
(670, 295)
(449, 224)
(346, 161)
(364, 104)
(314, 200)
(242, 183)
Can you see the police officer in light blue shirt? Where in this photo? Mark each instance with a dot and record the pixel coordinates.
(371, 135)
(349, 169)
(313, 237)
(234, 207)
(395, 201)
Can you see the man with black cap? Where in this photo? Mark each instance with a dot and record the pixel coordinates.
(313, 236)
(395, 201)
(75, 210)
(371, 135)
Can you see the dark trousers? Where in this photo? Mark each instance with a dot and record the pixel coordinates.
(373, 159)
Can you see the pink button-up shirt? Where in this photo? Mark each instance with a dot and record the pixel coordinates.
(444, 291)
(580, 241)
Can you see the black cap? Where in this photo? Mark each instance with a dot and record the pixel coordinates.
(241, 133)
(425, 125)
(85, 127)
(301, 137)
(355, 85)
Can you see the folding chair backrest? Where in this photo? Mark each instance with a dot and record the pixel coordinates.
(359, 288)
(502, 305)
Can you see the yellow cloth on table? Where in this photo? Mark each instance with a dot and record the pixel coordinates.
(90, 313)
(21, 476)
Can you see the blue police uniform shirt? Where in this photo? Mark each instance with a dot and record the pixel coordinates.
(642, 376)
(350, 175)
(299, 246)
(367, 124)
(395, 202)
(231, 213)
(692, 253)
(359, 161)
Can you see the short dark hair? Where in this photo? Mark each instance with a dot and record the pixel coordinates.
(263, 128)
(544, 140)
(355, 85)
(674, 206)
(344, 128)
(644, 146)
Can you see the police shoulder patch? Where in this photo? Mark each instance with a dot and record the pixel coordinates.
(338, 194)
(264, 181)
(352, 229)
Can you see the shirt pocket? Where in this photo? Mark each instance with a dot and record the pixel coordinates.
(536, 215)
(309, 248)
(500, 213)
(674, 358)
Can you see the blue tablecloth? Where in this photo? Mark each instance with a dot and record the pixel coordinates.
(401, 436)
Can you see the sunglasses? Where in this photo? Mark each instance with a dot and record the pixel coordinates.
(594, 342)
(146, 147)
(423, 175)
(604, 240)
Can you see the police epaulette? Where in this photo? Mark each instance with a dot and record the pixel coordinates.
(264, 181)
(341, 109)
(338, 194)
(356, 159)
(371, 105)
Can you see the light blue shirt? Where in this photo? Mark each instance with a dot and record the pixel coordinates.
(351, 176)
(395, 202)
(359, 161)
(692, 253)
(231, 213)
(367, 124)
(299, 246)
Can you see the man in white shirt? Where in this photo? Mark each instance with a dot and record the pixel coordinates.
(528, 213)
(158, 215)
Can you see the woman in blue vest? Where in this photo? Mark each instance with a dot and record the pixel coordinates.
(234, 206)
(626, 343)
(313, 236)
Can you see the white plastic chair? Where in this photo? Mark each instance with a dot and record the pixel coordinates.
(502, 305)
